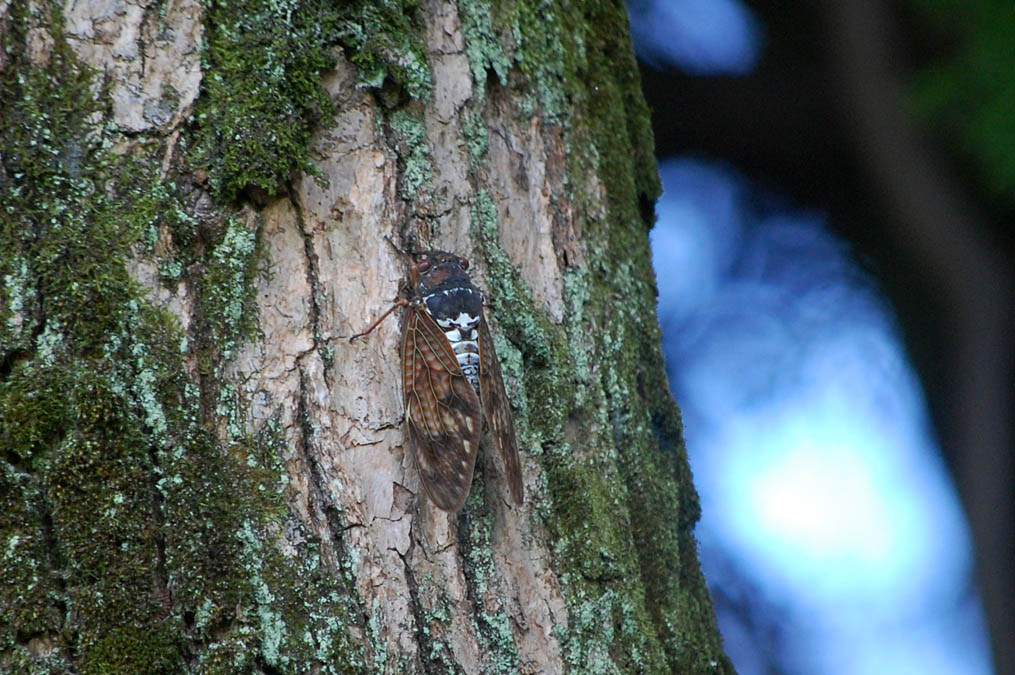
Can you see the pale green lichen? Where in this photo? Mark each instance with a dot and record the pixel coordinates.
(385, 42)
(492, 625)
(543, 51)
(412, 146)
(476, 140)
(379, 647)
(510, 296)
(272, 624)
(204, 516)
(110, 461)
(49, 343)
(483, 48)
(227, 285)
(20, 298)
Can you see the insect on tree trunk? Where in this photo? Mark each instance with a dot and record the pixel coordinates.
(451, 381)
(200, 472)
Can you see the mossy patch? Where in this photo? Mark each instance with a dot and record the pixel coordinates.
(492, 625)
(619, 503)
(134, 537)
(261, 95)
(384, 38)
(414, 153)
(142, 526)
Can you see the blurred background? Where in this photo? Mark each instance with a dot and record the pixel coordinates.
(834, 258)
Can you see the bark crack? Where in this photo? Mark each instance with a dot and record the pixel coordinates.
(319, 493)
(160, 574)
(477, 575)
(428, 647)
(314, 279)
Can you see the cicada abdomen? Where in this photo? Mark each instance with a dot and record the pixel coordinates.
(451, 381)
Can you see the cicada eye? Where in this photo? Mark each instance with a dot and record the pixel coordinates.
(423, 265)
(463, 263)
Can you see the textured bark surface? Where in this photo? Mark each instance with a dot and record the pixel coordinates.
(199, 470)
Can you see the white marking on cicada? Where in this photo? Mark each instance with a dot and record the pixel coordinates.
(471, 374)
(468, 359)
(465, 320)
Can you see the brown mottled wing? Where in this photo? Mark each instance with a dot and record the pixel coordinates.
(442, 414)
(498, 411)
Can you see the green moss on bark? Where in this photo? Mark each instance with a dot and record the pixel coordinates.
(137, 533)
(410, 140)
(261, 95)
(384, 38)
(490, 620)
(261, 92)
(621, 505)
(133, 536)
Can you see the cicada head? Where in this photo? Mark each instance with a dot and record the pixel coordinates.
(444, 287)
(437, 269)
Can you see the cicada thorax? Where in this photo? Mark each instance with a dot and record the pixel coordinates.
(456, 306)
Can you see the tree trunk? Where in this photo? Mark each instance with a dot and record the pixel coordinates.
(200, 472)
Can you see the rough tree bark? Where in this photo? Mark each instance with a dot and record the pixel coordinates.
(199, 472)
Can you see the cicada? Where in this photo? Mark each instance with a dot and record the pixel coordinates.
(451, 380)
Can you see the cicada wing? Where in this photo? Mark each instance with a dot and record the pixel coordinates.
(498, 411)
(442, 412)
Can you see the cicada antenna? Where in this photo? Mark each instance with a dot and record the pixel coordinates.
(405, 254)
